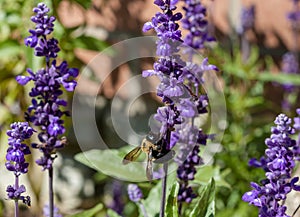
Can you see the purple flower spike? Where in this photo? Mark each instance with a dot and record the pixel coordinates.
(180, 83)
(55, 211)
(38, 38)
(297, 128)
(247, 19)
(195, 22)
(278, 163)
(15, 158)
(289, 65)
(134, 192)
(46, 110)
(294, 16)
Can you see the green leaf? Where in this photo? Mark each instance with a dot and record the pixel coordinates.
(266, 76)
(153, 202)
(172, 205)
(89, 213)
(205, 173)
(111, 213)
(90, 43)
(109, 162)
(205, 205)
(281, 78)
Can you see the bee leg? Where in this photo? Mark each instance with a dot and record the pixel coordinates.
(149, 169)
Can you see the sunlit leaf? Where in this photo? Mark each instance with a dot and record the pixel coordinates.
(153, 201)
(204, 174)
(89, 213)
(172, 205)
(109, 162)
(281, 78)
(111, 213)
(205, 205)
(89, 43)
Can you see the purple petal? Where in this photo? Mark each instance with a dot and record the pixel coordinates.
(73, 72)
(147, 73)
(21, 79)
(147, 26)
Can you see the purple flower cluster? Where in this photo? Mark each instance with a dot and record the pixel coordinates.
(179, 87)
(278, 164)
(46, 109)
(290, 65)
(175, 74)
(247, 19)
(168, 68)
(297, 128)
(294, 16)
(117, 203)
(38, 38)
(55, 212)
(134, 192)
(196, 23)
(15, 158)
(186, 172)
(188, 160)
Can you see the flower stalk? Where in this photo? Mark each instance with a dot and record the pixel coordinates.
(278, 163)
(16, 163)
(164, 190)
(16, 200)
(135, 195)
(46, 111)
(179, 80)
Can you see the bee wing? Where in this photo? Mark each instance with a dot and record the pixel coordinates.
(165, 158)
(149, 169)
(132, 155)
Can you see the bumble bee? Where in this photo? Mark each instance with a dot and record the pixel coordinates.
(152, 145)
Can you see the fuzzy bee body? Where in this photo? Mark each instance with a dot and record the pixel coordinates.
(153, 147)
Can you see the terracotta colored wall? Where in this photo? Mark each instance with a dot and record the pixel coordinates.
(128, 16)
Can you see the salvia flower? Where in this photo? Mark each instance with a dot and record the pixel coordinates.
(134, 193)
(17, 150)
(55, 212)
(247, 19)
(117, 203)
(179, 85)
(15, 159)
(278, 163)
(289, 65)
(46, 109)
(168, 68)
(188, 159)
(44, 27)
(294, 16)
(196, 23)
(297, 128)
